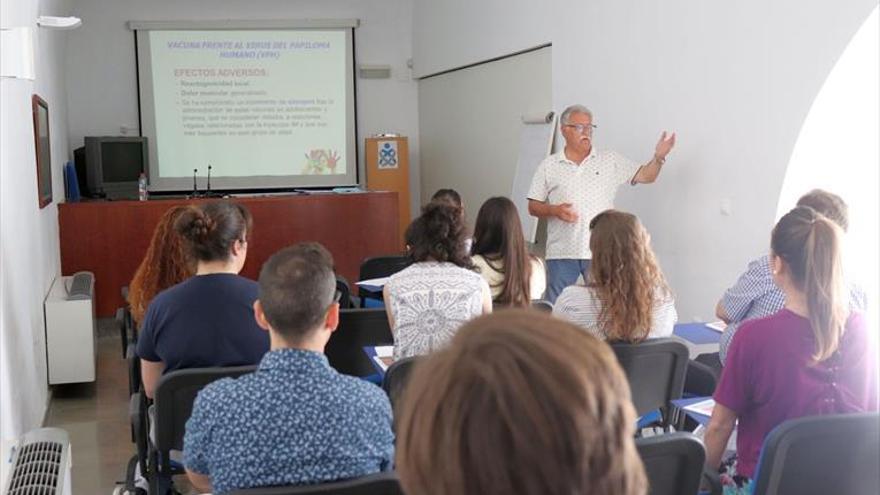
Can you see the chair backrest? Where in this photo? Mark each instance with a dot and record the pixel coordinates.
(378, 267)
(174, 399)
(655, 369)
(344, 292)
(396, 377)
(673, 463)
(700, 379)
(357, 328)
(383, 266)
(374, 484)
(821, 455)
(134, 369)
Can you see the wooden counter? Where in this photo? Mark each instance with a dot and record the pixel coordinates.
(110, 238)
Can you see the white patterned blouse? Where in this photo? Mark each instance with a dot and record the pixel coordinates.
(428, 302)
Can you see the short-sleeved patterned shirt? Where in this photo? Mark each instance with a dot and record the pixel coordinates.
(755, 295)
(293, 421)
(589, 186)
(429, 301)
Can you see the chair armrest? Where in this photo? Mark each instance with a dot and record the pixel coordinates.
(711, 481)
(137, 413)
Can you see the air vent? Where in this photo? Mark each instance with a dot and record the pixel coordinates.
(374, 71)
(40, 464)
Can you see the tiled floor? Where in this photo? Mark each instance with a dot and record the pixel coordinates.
(95, 416)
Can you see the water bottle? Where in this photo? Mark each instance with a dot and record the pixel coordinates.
(142, 187)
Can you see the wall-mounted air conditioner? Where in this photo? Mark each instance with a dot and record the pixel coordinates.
(40, 464)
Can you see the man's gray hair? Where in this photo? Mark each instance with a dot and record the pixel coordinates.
(566, 114)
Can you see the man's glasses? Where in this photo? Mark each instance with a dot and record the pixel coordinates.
(582, 128)
(337, 296)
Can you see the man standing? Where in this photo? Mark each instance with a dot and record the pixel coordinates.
(572, 186)
(295, 420)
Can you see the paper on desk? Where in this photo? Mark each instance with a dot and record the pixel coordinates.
(704, 407)
(718, 326)
(384, 356)
(373, 282)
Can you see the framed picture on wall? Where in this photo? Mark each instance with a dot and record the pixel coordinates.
(44, 160)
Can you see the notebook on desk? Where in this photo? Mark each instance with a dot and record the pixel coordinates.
(698, 408)
(381, 356)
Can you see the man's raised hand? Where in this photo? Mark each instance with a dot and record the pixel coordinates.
(664, 145)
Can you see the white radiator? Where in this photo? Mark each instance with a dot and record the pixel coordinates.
(71, 340)
(40, 464)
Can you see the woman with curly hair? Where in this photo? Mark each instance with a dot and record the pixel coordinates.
(429, 300)
(165, 264)
(207, 320)
(626, 298)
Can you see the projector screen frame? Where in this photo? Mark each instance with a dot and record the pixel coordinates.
(249, 184)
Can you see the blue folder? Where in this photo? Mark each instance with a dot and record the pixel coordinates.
(697, 333)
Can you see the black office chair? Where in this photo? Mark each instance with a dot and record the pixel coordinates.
(378, 267)
(344, 289)
(357, 328)
(374, 484)
(133, 363)
(821, 455)
(173, 404)
(673, 463)
(123, 330)
(396, 377)
(655, 370)
(700, 379)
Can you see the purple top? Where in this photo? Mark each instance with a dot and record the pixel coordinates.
(768, 378)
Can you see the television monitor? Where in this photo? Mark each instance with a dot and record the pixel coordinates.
(114, 164)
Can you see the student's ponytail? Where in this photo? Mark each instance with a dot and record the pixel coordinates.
(810, 244)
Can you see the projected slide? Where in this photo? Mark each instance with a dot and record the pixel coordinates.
(250, 103)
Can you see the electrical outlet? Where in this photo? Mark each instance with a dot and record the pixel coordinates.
(726, 207)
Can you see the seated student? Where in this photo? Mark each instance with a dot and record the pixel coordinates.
(295, 420)
(208, 320)
(500, 255)
(626, 298)
(165, 264)
(427, 301)
(810, 358)
(451, 197)
(755, 295)
(519, 403)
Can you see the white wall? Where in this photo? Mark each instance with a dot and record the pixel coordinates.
(734, 79)
(470, 125)
(29, 258)
(101, 64)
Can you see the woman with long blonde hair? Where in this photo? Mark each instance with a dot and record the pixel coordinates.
(626, 297)
(811, 358)
(165, 264)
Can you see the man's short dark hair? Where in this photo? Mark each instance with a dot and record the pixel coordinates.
(297, 286)
(828, 204)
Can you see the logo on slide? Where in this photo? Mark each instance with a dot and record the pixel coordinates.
(387, 154)
(321, 162)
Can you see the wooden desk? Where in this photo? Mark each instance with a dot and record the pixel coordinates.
(110, 238)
